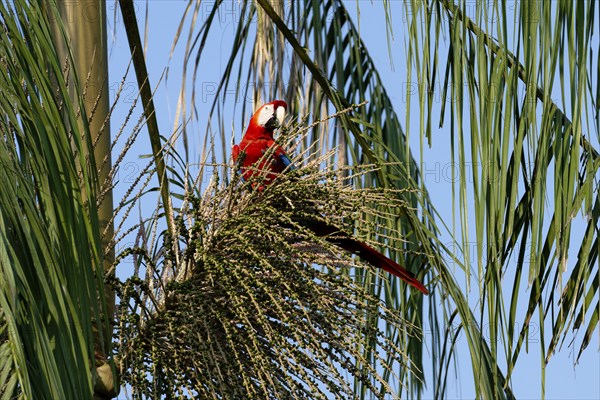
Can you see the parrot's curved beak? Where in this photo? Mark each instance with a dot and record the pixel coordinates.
(277, 119)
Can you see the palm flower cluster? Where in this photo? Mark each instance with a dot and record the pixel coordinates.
(246, 302)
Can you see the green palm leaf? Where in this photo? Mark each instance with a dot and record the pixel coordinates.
(50, 244)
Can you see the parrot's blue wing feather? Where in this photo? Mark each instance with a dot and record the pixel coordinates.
(286, 161)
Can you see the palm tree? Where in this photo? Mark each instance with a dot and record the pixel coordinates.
(56, 207)
(220, 306)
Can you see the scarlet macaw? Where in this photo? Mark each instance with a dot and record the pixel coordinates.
(257, 141)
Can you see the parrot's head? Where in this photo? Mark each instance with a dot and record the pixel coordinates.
(268, 118)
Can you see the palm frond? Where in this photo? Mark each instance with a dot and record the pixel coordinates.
(50, 243)
(517, 134)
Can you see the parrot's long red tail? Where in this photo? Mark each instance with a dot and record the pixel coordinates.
(366, 252)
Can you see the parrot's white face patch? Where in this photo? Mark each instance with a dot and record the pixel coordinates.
(267, 112)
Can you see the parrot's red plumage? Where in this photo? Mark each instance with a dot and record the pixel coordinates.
(257, 140)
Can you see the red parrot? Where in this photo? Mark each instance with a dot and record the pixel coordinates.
(257, 141)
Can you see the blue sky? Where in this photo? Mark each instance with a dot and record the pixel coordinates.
(564, 380)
